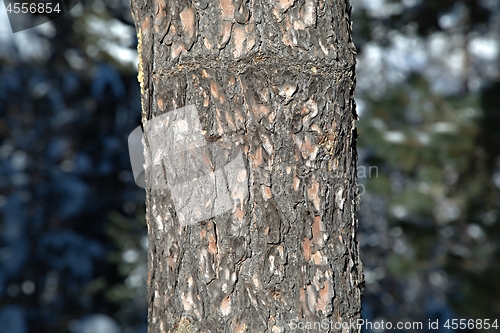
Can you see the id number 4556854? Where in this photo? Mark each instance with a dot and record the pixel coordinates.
(33, 8)
(477, 324)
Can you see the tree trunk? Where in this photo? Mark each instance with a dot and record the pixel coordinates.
(276, 80)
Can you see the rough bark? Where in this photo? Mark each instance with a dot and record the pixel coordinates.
(277, 79)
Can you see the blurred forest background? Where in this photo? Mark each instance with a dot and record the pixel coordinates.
(72, 233)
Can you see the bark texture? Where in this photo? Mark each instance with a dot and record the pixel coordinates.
(277, 79)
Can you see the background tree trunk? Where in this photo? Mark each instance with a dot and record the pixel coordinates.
(277, 79)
